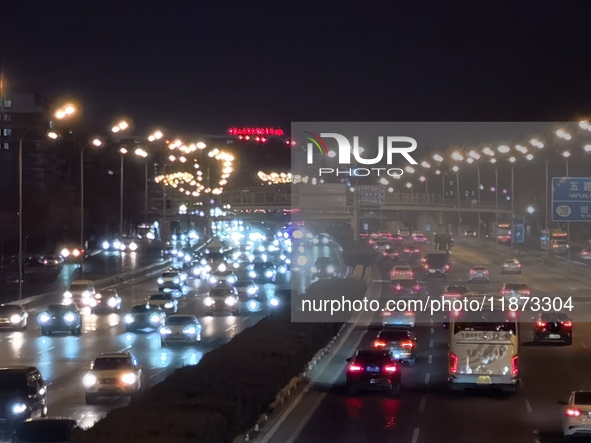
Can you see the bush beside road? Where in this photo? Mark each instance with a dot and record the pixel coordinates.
(225, 394)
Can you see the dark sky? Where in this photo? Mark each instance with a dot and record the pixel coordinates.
(201, 66)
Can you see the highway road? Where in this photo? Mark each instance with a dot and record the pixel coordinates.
(101, 265)
(64, 359)
(427, 412)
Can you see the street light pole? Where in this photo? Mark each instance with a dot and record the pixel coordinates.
(443, 187)
(496, 203)
(146, 192)
(121, 196)
(512, 206)
(20, 213)
(546, 222)
(459, 202)
(478, 199)
(82, 246)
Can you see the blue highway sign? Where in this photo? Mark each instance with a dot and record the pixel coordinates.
(571, 199)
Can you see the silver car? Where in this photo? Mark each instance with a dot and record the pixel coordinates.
(180, 329)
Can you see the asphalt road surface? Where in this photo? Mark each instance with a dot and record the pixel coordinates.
(64, 359)
(426, 411)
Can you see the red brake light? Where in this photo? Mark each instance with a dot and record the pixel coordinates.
(512, 314)
(407, 344)
(453, 363)
(540, 324)
(426, 266)
(386, 313)
(515, 365)
(486, 271)
(408, 314)
(418, 288)
(572, 412)
(519, 265)
(390, 368)
(506, 292)
(567, 324)
(354, 368)
(379, 344)
(446, 267)
(412, 274)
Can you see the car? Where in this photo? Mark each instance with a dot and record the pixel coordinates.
(166, 301)
(60, 318)
(455, 291)
(401, 343)
(81, 293)
(264, 272)
(402, 272)
(419, 237)
(51, 260)
(144, 316)
(222, 298)
(390, 253)
(373, 369)
(23, 395)
(381, 244)
(72, 253)
(323, 268)
(443, 241)
(247, 288)
(398, 318)
(436, 265)
(585, 254)
(411, 251)
(13, 317)
(519, 290)
(114, 374)
(553, 327)
(404, 232)
(405, 287)
(576, 414)
(511, 266)
(470, 232)
(106, 300)
(284, 296)
(42, 430)
(171, 279)
(479, 274)
(181, 329)
(223, 274)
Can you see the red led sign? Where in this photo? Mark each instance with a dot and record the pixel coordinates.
(256, 131)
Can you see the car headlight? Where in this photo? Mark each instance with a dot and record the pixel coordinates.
(213, 280)
(160, 281)
(187, 258)
(165, 330)
(89, 380)
(86, 294)
(268, 273)
(106, 245)
(155, 318)
(330, 269)
(230, 301)
(251, 290)
(274, 301)
(112, 302)
(196, 271)
(132, 246)
(15, 319)
(67, 294)
(282, 269)
(190, 330)
(325, 240)
(183, 277)
(288, 261)
(203, 261)
(75, 252)
(117, 244)
(222, 268)
(169, 305)
(98, 296)
(314, 270)
(176, 280)
(69, 317)
(252, 274)
(129, 379)
(65, 253)
(44, 318)
(231, 279)
(208, 301)
(253, 305)
(18, 408)
(128, 319)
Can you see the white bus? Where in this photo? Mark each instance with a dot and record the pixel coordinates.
(484, 351)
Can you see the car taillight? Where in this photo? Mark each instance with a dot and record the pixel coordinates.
(446, 267)
(451, 294)
(408, 314)
(519, 265)
(379, 344)
(390, 369)
(354, 368)
(426, 266)
(486, 271)
(515, 365)
(386, 313)
(567, 324)
(526, 291)
(407, 344)
(572, 412)
(407, 250)
(506, 292)
(453, 363)
(398, 287)
(541, 324)
(418, 287)
(512, 314)
(412, 274)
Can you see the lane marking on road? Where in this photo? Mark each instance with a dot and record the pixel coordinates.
(584, 345)
(432, 330)
(423, 404)
(521, 384)
(431, 321)
(46, 350)
(124, 349)
(430, 358)
(528, 406)
(536, 437)
(431, 343)
(427, 378)
(415, 435)
(157, 373)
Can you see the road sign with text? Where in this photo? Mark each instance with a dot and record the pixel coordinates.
(571, 199)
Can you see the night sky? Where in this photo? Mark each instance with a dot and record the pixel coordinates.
(200, 67)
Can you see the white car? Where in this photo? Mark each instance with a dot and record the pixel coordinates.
(111, 375)
(398, 318)
(171, 279)
(577, 414)
(247, 288)
(222, 298)
(80, 292)
(166, 301)
(511, 266)
(402, 272)
(180, 328)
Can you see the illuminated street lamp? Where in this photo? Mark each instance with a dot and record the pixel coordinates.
(530, 209)
(437, 158)
(65, 111)
(504, 149)
(97, 142)
(52, 135)
(120, 126)
(566, 155)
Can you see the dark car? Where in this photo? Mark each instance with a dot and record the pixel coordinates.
(144, 316)
(323, 268)
(223, 299)
(107, 300)
(60, 318)
(455, 291)
(405, 287)
(45, 430)
(23, 395)
(553, 327)
(510, 290)
(373, 369)
(411, 251)
(264, 272)
(13, 317)
(436, 266)
(400, 341)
